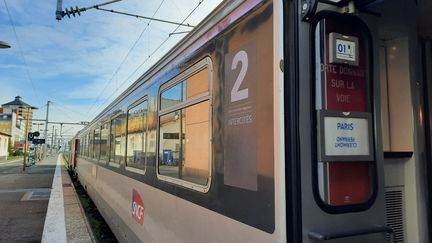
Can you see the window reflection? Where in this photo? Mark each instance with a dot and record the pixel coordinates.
(104, 142)
(169, 144)
(184, 137)
(118, 130)
(86, 145)
(195, 143)
(91, 138)
(96, 141)
(112, 142)
(195, 86)
(136, 136)
(172, 96)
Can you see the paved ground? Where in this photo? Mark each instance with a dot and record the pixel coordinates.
(24, 201)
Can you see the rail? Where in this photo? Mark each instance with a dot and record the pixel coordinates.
(318, 236)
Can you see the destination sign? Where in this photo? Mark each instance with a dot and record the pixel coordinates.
(346, 136)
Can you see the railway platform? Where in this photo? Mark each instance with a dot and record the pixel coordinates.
(40, 204)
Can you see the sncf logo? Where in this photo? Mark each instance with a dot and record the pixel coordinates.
(137, 207)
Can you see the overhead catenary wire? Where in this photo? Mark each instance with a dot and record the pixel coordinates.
(64, 107)
(176, 6)
(54, 105)
(162, 43)
(22, 53)
(144, 17)
(68, 130)
(124, 59)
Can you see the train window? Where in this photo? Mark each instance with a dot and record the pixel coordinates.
(96, 142)
(87, 137)
(196, 126)
(184, 130)
(84, 145)
(112, 141)
(118, 132)
(169, 146)
(172, 96)
(344, 170)
(87, 145)
(90, 144)
(195, 87)
(104, 142)
(136, 135)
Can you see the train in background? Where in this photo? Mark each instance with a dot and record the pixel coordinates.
(272, 121)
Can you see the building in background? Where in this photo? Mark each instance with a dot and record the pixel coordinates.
(9, 124)
(13, 120)
(4, 142)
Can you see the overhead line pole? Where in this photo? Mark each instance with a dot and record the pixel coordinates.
(26, 137)
(46, 131)
(61, 138)
(55, 141)
(59, 11)
(52, 139)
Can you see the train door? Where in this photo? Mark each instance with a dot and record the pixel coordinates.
(341, 156)
(427, 81)
(362, 115)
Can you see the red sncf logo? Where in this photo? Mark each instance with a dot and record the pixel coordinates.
(137, 207)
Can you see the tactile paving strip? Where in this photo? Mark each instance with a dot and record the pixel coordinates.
(37, 195)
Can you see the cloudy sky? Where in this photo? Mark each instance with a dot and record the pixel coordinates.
(81, 64)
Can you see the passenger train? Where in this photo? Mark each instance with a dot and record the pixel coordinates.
(273, 121)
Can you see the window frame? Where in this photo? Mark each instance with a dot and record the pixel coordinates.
(88, 144)
(131, 106)
(196, 68)
(97, 127)
(112, 161)
(373, 169)
(91, 143)
(101, 125)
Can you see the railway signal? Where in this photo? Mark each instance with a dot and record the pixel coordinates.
(31, 135)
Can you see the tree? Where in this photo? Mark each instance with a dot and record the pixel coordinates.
(11, 148)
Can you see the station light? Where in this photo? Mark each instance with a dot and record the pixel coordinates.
(4, 45)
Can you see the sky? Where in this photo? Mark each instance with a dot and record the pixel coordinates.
(82, 63)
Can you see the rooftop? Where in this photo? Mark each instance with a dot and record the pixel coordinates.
(5, 134)
(17, 102)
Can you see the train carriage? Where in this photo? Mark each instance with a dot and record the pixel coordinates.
(264, 124)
